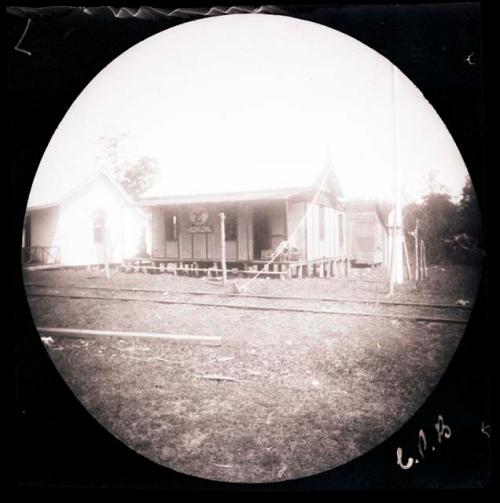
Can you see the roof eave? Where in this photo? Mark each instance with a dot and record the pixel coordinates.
(220, 198)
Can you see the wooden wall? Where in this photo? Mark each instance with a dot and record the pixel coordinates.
(308, 237)
(44, 226)
(295, 211)
(157, 232)
(367, 237)
(245, 232)
(203, 245)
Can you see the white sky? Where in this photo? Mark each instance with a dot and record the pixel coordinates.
(238, 102)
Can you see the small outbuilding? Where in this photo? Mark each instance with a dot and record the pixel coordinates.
(368, 233)
(87, 222)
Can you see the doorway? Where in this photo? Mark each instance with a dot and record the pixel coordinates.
(261, 234)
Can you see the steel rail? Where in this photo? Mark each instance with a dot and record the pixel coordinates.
(255, 296)
(254, 307)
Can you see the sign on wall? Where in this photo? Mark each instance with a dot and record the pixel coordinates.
(199, 217)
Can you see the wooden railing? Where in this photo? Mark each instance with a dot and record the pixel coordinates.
(40, 255)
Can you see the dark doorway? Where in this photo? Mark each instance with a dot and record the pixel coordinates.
(27, 231)
(261, 237)
(26, 239)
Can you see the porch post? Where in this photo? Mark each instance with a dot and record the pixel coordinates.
(287, 230)
(223, 247)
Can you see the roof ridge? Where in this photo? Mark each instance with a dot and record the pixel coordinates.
(79, 186)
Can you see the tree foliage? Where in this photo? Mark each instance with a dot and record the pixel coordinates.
(137, 177)
(451, 231)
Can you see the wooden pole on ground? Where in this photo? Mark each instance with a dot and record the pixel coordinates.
(422, 272)
(223, 247)
(84, 333)
(408, 268)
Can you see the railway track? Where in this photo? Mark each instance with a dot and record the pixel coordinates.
(256, 296)
(409, 311)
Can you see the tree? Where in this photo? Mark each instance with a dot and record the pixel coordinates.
(137, 177)
(467, 240)
(438, 222)
(451, 231)
(470, 215)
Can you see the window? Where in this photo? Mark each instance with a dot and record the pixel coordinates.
(171, 227)
(341, 229)
(321, 223)
(99, 217)
(231, 225)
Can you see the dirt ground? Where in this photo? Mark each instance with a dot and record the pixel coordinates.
(308, 392)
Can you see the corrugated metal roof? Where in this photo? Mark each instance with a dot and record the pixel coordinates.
(277, 183)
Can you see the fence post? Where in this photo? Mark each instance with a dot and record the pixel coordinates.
(422, 259)
(408, 268)
(417, 259)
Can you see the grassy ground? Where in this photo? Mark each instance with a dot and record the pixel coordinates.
(311, 391)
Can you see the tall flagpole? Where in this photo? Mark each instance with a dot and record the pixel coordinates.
(397, 221)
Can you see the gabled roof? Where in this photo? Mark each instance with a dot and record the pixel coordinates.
(271, 186)
(47, 195)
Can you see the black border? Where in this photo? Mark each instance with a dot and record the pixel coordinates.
(42, 87)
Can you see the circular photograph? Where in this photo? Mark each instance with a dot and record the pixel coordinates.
(251, 248)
